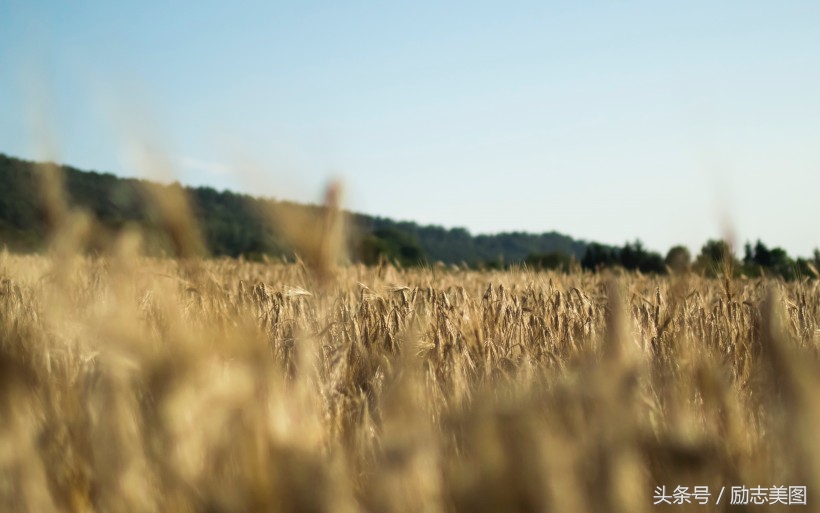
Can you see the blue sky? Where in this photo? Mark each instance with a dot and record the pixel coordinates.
(609, 121)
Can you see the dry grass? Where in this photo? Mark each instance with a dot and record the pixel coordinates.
(137, 385)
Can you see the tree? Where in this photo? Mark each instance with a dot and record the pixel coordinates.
(554, 260)
(678, 259)
(809, 267)
(716, 258)
(598, 256)
(634, 257)
(393, 245)
(773, 262)
(631, 255)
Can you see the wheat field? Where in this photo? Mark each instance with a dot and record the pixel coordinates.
(130, 384)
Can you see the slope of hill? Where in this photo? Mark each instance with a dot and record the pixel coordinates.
(231, 225)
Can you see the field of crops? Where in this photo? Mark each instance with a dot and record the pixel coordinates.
(138, 385)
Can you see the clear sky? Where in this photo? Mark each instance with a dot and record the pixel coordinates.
(668, 121)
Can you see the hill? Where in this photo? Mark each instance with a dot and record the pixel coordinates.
(232, 226)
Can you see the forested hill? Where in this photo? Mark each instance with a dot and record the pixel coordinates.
(458, 245)
(232, 226)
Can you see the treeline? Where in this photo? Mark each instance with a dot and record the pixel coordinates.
(458, 246)
(716, 258)
(231, 224)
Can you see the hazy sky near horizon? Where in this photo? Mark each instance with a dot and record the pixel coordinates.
(609, 121)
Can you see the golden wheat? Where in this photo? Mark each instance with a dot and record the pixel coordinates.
(131, 384)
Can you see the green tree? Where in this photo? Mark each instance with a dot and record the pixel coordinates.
(598, 256)
(760, 260)
(716, 258)
(678, 259)
(392, 245)
(554, 260)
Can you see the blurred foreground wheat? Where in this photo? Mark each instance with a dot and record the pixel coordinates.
(135, 385)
